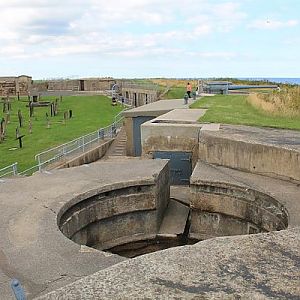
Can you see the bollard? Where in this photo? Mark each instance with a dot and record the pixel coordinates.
(194, 95)
(17, 289)
(186, 98)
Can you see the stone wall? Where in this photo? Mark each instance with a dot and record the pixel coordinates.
(139, 96)
(13, 85)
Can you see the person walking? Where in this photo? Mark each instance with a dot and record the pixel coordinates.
(189, 89)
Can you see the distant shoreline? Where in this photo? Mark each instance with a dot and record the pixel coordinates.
(276, 80)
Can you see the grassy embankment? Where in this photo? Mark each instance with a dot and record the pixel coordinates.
(89, 114)
(235, 109)
(177, 88)
(285, 102)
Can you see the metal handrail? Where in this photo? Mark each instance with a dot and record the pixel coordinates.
(13, 171)
(59, 152)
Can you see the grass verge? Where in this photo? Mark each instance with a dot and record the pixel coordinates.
(235, 109)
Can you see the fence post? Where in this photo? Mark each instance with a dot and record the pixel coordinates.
(39, 163)
(83, 144)
(15, 169)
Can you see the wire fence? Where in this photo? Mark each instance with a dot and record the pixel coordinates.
(60, 153)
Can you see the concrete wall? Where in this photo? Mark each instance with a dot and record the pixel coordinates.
(250, 156)
(170, 137)
(133, 212)
(221, 209)
(87, 157)
(89, 84)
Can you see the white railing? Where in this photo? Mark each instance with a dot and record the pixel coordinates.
(11, 170)
(80, 144)
(75, 146)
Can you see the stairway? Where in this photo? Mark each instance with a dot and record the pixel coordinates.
(118, 147)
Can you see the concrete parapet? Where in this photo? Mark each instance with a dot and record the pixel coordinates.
(259, 266)
(230, 202)
(265, 151)
(35, 251)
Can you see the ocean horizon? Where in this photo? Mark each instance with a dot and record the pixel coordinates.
(274, 79)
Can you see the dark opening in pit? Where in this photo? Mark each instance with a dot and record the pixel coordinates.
(134, 249)
(135, 220)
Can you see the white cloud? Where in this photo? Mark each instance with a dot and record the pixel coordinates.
(117, 28)
(272, 24)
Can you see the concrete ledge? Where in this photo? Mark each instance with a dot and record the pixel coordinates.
(32, 247)
(256, 203)
(271, 152)
(88, 156)
(261, 266)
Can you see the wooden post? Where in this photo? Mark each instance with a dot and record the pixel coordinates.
(19, 137)
(20, 117)
(30, 126)
(2, 130)
(31, 108)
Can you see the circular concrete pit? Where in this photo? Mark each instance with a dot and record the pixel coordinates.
(130, 221)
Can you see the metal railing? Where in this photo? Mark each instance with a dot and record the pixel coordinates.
(75, 146)
(11, 170)
(80, 144)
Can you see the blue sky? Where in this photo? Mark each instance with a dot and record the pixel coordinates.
(150, 38)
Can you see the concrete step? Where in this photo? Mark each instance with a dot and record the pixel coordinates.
(118, 148)
(175, 218)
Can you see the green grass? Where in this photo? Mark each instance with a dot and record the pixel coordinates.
(89, 114)
(176, 93)
(234, 109)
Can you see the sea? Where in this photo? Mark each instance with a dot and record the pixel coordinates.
(277, 80)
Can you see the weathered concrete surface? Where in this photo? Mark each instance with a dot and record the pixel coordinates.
(32, 247)
(155, 109)
(177, 130)
(89, 156)
(188, 116)
(174, 220)
(150, 111)
(181, 194)
(267, 151)
(223, 196)
(262, 266)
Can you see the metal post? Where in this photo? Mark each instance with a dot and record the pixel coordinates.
(186, 98)
(39, 163)
(15, 168)
(83, 144)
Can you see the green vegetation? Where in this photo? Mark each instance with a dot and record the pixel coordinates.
(175, 93)
(285, 101)
(234, 109)
(89, 114)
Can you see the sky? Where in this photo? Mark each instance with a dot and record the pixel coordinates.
(150, 38)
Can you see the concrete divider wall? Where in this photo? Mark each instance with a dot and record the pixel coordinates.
(170, 137)
(258, 158)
